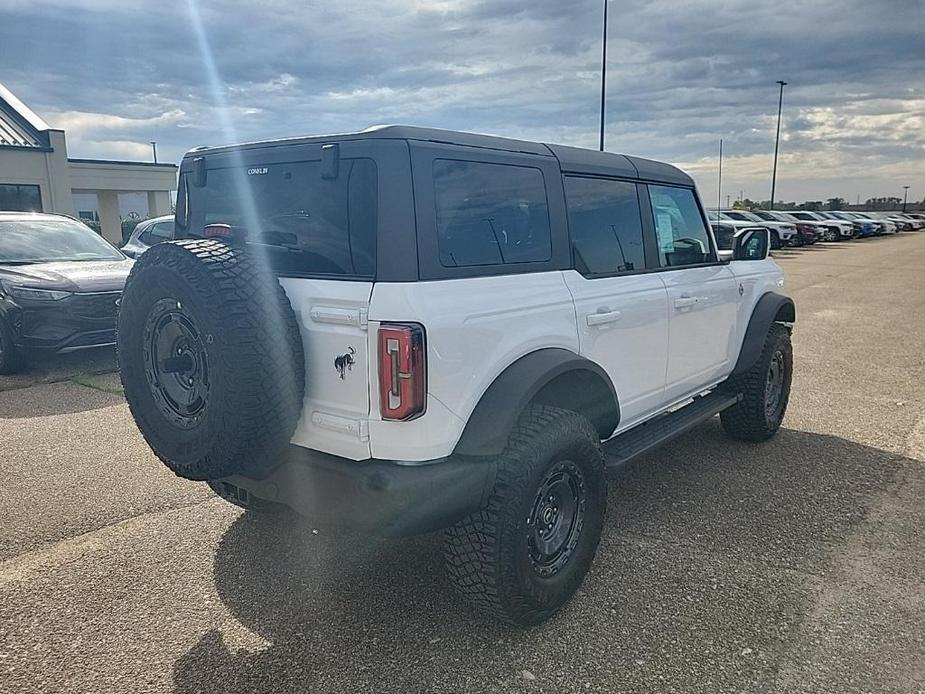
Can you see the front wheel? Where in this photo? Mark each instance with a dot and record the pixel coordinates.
(526, 553)
(765, 390)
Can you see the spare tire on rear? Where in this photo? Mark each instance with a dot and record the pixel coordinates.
(211, 359)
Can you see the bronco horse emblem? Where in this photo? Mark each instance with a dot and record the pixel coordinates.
(345, 362)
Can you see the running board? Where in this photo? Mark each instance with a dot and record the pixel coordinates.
(644, 437)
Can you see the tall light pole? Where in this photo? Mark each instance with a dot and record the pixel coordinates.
(719, 185)
(905, 196)
(780, 103)
(154, 150)
(603, 75)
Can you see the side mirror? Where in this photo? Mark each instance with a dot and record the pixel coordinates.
(751, 244)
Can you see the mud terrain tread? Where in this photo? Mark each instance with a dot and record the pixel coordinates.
(259, 360)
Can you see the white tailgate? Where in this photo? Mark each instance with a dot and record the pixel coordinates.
(332, 318)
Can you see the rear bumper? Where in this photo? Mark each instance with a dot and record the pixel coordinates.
(381, 496)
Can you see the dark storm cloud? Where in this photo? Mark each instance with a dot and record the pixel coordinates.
(118, 73)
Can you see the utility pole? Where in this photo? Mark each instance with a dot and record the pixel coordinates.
(905, 196)
(603, 75)
(719, 186)
(780, 103)
(154, 150)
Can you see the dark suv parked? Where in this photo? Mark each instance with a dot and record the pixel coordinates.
(60, 285)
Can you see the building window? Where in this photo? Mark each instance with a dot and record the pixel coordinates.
(20, 198)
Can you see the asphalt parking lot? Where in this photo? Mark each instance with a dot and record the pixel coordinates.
(793, 566)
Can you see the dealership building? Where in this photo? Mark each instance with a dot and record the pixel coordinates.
(37, 175)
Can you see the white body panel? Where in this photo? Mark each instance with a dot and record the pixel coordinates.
(332, 320)
(475, 328)
(703, 342)
(661, 337)
(623, 326)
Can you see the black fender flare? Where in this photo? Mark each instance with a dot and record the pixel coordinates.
(487, 430)
(771, 308)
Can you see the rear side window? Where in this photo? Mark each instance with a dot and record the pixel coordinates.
(490, 214)
(604, 225)
(682, 235)
(304, 224)
(162, 231)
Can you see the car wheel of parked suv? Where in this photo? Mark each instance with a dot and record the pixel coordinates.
(11, 359)
(211, 359)
(526, 553)
(765, 389)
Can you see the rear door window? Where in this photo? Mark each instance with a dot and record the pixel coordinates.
(304, 224)
(682, 235)
(604, 225)
(490, 214)
(162, 231)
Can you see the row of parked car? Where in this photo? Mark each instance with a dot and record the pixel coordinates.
(802, 227)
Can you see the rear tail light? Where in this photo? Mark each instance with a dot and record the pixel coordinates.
(221, 231)
(402, 371)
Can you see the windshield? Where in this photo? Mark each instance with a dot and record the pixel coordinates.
(51, 240)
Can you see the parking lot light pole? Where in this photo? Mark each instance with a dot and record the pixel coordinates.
(780, 103)
(603, 75)
(905, 196)
(154, 150)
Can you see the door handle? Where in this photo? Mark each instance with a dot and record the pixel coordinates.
(685, 301)
(602, 317)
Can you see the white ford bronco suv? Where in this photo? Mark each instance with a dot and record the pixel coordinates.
(406, 329)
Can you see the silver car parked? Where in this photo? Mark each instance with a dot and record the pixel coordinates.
(147, 233)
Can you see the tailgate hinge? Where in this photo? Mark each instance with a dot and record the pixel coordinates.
(340, 316)
(343, 425)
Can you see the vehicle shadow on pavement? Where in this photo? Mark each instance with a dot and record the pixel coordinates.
(712, 549)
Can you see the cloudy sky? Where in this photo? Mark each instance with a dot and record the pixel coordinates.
(681, 74)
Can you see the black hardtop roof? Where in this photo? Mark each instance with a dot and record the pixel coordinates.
(571, 159)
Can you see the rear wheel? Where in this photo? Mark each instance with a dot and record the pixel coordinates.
(765, 390)
(11, 359)
(527, 552)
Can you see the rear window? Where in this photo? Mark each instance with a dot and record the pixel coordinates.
(304, 224)
(605, 226)
(490, 214)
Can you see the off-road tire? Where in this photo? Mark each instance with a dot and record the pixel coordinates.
(750, 419)
(250, 503)
(247, 337)
(488, 555)
(11, 359)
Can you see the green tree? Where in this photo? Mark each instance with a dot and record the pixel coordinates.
(835, 203)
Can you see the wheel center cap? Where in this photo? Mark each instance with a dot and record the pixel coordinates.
(549, 515)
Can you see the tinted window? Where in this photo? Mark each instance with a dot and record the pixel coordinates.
(162, 231)
(20, 198)
(682, 237)
(304, 224)
(738, 215)
(490, 214)
(604, 225)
